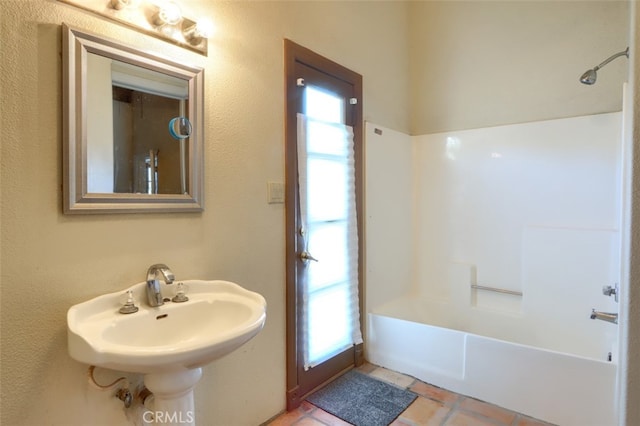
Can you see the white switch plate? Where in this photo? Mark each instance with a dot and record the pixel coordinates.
(275, 192)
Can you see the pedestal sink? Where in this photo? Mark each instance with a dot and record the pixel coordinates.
(168, 344)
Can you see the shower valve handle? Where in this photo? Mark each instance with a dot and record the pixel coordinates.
(611, 291)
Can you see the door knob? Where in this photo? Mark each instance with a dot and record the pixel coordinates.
(306, 256)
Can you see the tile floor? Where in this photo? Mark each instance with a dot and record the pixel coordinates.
(433, 407)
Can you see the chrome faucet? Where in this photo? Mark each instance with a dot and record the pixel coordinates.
(154, 294)
(604, 316)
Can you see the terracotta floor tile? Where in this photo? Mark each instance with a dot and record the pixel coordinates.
(287, 419)
(397, 379)
(465, 419)
(424, 412)
(328, 418)
(366, 368)
(528, 421)
(307, 407)
(446, 397)
(400, 422)
(309, 421)
(488, 410)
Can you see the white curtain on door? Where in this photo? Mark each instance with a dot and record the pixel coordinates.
(326, 176)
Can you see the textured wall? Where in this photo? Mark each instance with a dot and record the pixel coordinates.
(51, 261)
(486, 63)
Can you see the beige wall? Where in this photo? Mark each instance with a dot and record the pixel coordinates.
(51, 261)
(485, 63)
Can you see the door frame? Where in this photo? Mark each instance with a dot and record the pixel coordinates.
(295, 53)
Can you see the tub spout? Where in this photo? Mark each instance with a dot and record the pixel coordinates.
(604, 316)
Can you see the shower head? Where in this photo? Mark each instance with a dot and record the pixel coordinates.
(590, 76)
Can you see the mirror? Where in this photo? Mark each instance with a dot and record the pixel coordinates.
(133, 129)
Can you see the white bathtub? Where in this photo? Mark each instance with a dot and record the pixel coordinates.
(565, 389)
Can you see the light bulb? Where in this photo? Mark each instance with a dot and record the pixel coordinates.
(169, 14)
(202, 29)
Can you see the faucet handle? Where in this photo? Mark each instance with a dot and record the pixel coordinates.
(181, 293)
(129, 306)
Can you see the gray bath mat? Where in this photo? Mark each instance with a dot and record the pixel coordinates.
(362, 400)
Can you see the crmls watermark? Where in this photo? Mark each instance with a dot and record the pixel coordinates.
(162, 417)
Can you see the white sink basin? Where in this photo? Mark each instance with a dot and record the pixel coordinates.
(219, 317)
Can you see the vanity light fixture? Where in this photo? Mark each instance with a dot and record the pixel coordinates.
(159, 18)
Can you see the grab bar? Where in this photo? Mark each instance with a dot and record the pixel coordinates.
(497, 290)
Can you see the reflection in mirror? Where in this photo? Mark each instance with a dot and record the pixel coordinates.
(133, 128)
(129, 146)
(180, 127)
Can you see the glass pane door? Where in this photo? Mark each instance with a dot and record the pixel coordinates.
(323, 200)
(327, 187)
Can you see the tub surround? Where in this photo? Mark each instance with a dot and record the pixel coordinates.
(530, 208)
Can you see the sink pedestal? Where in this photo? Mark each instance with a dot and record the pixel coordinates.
(172, 397)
